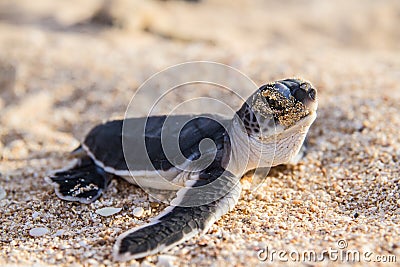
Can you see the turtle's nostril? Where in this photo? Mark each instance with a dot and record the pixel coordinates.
(311, 93)
(299, 94)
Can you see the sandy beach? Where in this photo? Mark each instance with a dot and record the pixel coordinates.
(66, 66)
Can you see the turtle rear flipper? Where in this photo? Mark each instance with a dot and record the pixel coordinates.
(196, 209)
(84, 182)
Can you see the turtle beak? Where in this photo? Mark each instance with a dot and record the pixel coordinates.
(302, 91)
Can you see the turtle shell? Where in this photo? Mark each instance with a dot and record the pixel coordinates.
(145, 150)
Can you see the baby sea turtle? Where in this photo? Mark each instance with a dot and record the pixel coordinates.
(269, 129)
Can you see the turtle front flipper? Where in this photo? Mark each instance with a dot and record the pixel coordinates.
(85, 182)
(301, 154)
(193, 211)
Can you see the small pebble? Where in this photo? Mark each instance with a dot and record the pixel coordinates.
(166, 261)
(108, 211)
(297, 202)
(138, 212)
(93, 262)
(39, 231)
(2, 193)
(313, 208)
(59, 232)
(146, 264)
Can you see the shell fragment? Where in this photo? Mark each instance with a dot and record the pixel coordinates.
(38, 231)
(108, 211)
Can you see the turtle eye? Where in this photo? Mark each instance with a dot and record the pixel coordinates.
(311, 93)
(299, 94)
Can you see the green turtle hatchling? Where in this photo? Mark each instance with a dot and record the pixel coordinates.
(269, 129)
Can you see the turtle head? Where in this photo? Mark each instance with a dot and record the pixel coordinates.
(279, 106)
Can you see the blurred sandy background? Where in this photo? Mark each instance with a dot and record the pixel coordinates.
(67, 65)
